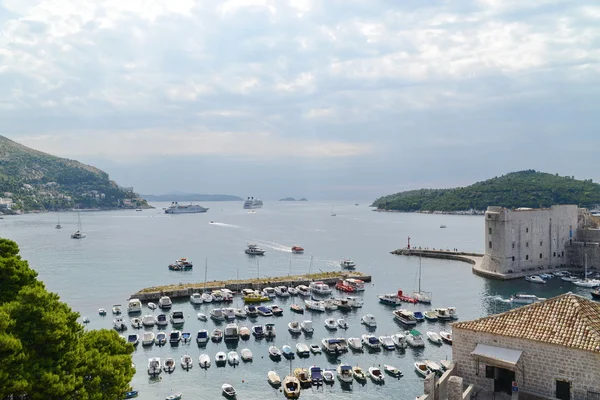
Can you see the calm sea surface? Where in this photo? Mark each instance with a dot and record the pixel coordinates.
(127, 250)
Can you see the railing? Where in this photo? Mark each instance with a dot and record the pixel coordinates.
(592, 396)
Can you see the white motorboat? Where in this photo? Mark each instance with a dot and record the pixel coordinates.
(534, 279)
(169, 365)
(134, 306)
(186, 337)
(202, 337)
(276, 310)
(133, 338)
(347, 264)
(136, 322)
(393, 371)
(228, 390)
(274, 352)
(165, 302)
(376, 375)
(307, 327)
(369, 320)
(196, 298)
(258, 331)
(389, 299)
(160, 338)
(422, 369)
(161, 320)
(220, 358)
(152, 306)
(355, 302)
(315, 305)
(453, 313)
(330, 304)
(270, 331)
(292, 291)
(331, 345)
(233, 358)
(343, 304)
(302, 350)
(202, 316)
(294, 328)
(405, 317)
(330, 324)
(430, 315)
(269, 292)
(433, 367)
(303, 290)
(244, 333)
(355, 344)
(119, 324)
(154, 366)
(434, 337)
(370, 341)
(344, 373)
(399, 340)
(177, 318)
(207, 297)
(247, 292)
(329, 376)
(387, 342)
(186, 362)
(251, 311)
(315, 348)
(148, 339)
(587, 283)
(443, 314)
(102, 312)
(320, 288)
(240, 313)
(316, 375)
(216, 314)
(273, 378)
(254, 250)
(204, 361)
(522, 298)
(229, 313)
(282, 291)
(116, 309)
(446, 336)
(216, 335)
(174, 337)
(415, 339)
(341, 322)
(231, 333)
(246, 355)
(445, 364)
(291, 387)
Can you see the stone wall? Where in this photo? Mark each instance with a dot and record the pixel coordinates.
(540, 366)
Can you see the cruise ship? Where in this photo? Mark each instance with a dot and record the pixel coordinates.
(253, 203)
(175, 208)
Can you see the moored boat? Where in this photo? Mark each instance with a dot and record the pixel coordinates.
(204, 360)
(434, 337)
(154, 366)
(344, 373)
(422, 369)
(393, 371)
(202, 337)
(246, 355)
(341, 322)
(387, 342)
(399, 340)
(329, 376)
(216, 335)
(446, 336)
(258, 331)
(302, 350)
(307, 327)
(315, 348)
(369, 320)
(405, 317)
(186, 362)
(291, 387)
(415, 339)
(196, 298)
(245, 333)
(315, 305)
(297, 309)
(534, 279)
(274, 353)
(270, 331)
(430, 315)
(354, 343)
(228, 390)
(287, 351)
(358, 373)
(273, 378)
(169, 365)
(330, 324)
(294, 328)
(370, 341)
(376, 375)
(233, 358)
(148, 339)
(220, 358)
(303, 376)
(316, 375)
(161, 338)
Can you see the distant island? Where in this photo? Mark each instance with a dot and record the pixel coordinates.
(33, 181)
(191, 197)
(528, 188)
(292, 199)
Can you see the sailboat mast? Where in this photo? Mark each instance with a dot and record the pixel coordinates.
(205, 272)
(419, 273)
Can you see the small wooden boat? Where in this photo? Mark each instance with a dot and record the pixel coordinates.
(246, 355)
(302, 375)
(393, 371)
(422, 369)
(434, 337)
(274, 352)
(297, 309)
(291, 387)
(228, 390)
(186, 362)
(376, 375)
(131, 394)
(446, 336)
(169, 365)
(358, 373)
(329, 376)
(216, 335)
(273, 378)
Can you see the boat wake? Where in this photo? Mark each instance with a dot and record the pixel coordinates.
(224, 224)
(276, 246)
(498, 299)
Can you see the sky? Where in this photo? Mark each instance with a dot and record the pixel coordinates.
(329, 99)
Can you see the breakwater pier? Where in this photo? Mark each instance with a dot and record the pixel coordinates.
(182, 290)
(474, 259)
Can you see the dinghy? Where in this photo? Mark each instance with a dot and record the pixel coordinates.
(228, 390)
(291, 387)
(216, 335)
(376, 375)
(393, 371)
(342, 323)
(434, 337)
(273, 378)
(186, 362)
(294, 328)
(233, 358)
(169, 365)
(220, 358)
(315, 348)
(358, 373)
(274, 353)
(330, 324)
(204, 360)
(246, 355)
(136, 322)
(202, 317)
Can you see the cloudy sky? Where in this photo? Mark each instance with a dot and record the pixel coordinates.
(326, 99)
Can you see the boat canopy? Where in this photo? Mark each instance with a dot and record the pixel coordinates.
(333, 341)
(415, 332)
(346, 368)
(373, 340)
(500, 356)
(202, 334)
(269, 325)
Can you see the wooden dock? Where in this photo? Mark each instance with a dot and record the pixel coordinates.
(186, 289)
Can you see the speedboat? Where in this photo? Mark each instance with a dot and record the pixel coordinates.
(228, 390)
(102, 312)
(177, 318)
(393, 371)
(119, 324)
(276, 310)
(343, 304)
(231, 333)
(134, 339)
(291, 387)
(282, 291)
(220, 358)
(134, 306)
(233, 358)
(390, 299)
(269, 292)
(216, 335)
(419, 316)
(207, 298)
(161, 320)
(347, 264)
(405, 317)
(244, 333)
(186, 362)
(329, 376)
(116, 309)
(251, 311)
(229, 313)
(534, 279)
(287, 351)
(303, 290)
(434, 337)
(330, 304)
(270, 331)
(258, 331)
(303, 376)
(330, 324)
(443, 314)
(344, 373)
(297, 250)
(399, 340)
(154, 366)
(273, 378)
(202, 337)
(148, 339)
(186, 337)
(204, 360)
(376, 375)
(331, 346)
(371, 341)
(169, 365)
(387, 342)
(302, 350)
(202, 317)
(522, 298)
(136, 322)
(430, 315)
(358, 373)
(433, 367)
(174, 337)
(355, 302)
(315, 305)
(239, 313)
(274, 352)
(320, 288)
(307, 327)
(264, 311)
(316, 375)
(161, 338)
(165, 302)
(292, 291)
(246, 355)
(254, 250)
(355, 344)
(315, 348)
(422, 369)
(294, 328)
(341, 322)
(446, 336)
(414, 339)
(216, 314)
(369, 320)
(196, 298)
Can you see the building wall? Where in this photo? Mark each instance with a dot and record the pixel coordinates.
(521, 240)
(541, 363)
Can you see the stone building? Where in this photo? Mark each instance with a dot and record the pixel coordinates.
(551, 349)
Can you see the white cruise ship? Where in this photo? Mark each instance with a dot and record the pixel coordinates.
(175, 208)
(253, 203)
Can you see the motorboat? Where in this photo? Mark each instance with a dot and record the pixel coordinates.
(154, 366)
(247, 291)
(231, 333)
(169, 365)
(288, 352)
(202, 316)
(307, 327)
(161, 320)
(258, 331)
(315, 305)
(343, 344)
(522, 298)
(273, 378)
(134, 306)
(343, 304)
(315, 348)
(216, 335)
(174, 337)
(329, 376)
(320, 288)
(341, 322)
(443, 314)
(244, 333)
(216, 296)
(233, 358)
(370, 341)
(186, 362)
(303, 290)
(207, 297)
(297, 250)
(422, 297)
(292, 291)
(399, 340)
(354, 343)
(229, 313)
(264, 311)
(251, 311)
(220, 358)
(359, 374)
(202, 337)
(269, 292)
(116, 309)
(303, 376)
(302, 350)
(276, 310)
(446, 336)
(376, 375)
(270, 332)
(369, 320)
(430, 315)
(415, 339)
(390, 299)
(240, 313)
(152, 306)
(186, 337)
(534, 279)
(165, 303)
(405, 317)
(434, 337)
(274, 352)
(331, 345)
(446, 364)
(357, 284)
(344, 373)
(291, 387)
(181, 265)
(196, 298)
(587, 283)
(216, 314)
(316, 375)
(228, 390)
(102, 312)
(161, 339)
(254, 250)
(136, 322)
(330, 304)
(174, 396)
(330, 324)
(119, 324)
(246, 355)
(148, 339)
(131, 394)
(355, 302)
(595, 294)
(347, 264)
(204, 361)
(393, 371)
(133, 338)
(433, 367)
(422, 369)
(282, 291)
(177, 318)
(419, 316)
(387, 342)
(294, 328)
(453, 313)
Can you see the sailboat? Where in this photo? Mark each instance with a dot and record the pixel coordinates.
(585, 282)
(333, 214)
(58, 226)
(79, 234)
(421, 296)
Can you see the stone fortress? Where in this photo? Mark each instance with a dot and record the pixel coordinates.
(525, 241)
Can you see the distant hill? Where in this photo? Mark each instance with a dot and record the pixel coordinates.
(191, 197)
(292, 199)
(517, 189)
(34, 180)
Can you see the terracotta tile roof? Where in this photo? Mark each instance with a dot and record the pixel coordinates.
(566, 320)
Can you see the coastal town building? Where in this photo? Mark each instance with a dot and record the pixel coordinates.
(5, 204)
(549, 349)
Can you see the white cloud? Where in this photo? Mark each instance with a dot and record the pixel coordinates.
(319, 113)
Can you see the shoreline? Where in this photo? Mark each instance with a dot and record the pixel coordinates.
(462, 212)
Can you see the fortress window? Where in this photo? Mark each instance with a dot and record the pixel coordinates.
(513, 258)
(490, 230)
(527, 257)
(554, 254)
(540, 243)
(562, 253)
(490, 244)
(526, 244)
(526, 230)
(489, 216)
(540, 255)
(513, 245)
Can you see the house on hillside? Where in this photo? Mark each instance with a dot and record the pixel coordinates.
(549, 349)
